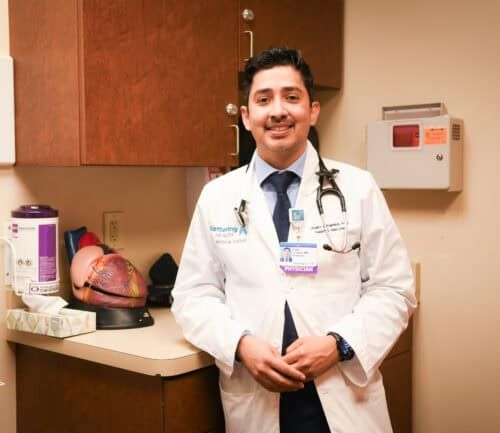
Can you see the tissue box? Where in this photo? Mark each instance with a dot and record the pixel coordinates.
(68, 322)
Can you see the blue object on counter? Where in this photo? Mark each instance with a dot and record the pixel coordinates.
(71, 238)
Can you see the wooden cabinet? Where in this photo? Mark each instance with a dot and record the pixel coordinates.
(124, 82)
(314, 27)
(146, 82)
(57, 393)
(397, 373)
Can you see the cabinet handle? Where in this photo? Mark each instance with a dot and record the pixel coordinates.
(250, 34)
(247, 15)
(237, 139)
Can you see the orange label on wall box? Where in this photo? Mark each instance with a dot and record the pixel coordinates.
(435, 135)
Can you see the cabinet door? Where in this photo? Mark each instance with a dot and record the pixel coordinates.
(192, 403)
(44, 46)
(396, 372)
(157, 77)
(58, 393)
(314, 27)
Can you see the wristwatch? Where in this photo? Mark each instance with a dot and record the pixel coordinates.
(346, 352)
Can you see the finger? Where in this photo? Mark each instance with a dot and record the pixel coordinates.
(275, 351)
(293, 356)
(305, 370)
(286, 370)
(276, 382)
(278, 388)
(284, 383)
(294, 345)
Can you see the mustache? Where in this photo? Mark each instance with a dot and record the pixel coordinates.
(279, 122)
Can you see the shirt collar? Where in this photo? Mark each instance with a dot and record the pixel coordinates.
(263, 169)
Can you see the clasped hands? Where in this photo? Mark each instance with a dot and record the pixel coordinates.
(305, 359)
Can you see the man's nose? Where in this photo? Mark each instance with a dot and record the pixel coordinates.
(278, 109)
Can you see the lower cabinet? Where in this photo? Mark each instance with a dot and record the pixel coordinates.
(192, 403)
(61, 394)
(397, 373)
(397, 382)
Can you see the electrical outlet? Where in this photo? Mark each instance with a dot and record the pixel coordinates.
(113, 229)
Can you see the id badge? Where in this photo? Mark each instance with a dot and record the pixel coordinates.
(298, 258)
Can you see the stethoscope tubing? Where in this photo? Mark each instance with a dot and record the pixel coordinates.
(324, 174)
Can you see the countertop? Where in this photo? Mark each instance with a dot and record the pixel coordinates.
(154, 350)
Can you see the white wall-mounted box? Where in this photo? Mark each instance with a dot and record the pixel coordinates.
(7, 147)
(420, 152)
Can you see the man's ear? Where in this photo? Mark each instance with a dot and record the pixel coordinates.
(315, 109)
(244, 117)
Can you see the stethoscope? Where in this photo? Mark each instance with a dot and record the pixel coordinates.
(324, 175)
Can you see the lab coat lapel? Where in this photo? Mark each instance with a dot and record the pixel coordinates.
(309, 182)
(258, 218)
(261, 220)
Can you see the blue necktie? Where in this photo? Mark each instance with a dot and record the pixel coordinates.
(280, 183)
(300, 411)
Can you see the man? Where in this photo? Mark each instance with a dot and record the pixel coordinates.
(298, 346)
(287, 255)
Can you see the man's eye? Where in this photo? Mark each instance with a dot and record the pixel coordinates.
(262, 100)
(292, 98)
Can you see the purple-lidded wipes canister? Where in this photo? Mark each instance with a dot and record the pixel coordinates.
(33, 231)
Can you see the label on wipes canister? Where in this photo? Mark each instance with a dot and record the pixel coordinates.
(34, 241)
(47, 266)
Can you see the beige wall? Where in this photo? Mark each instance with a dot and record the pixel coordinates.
(405, 52)
(396, 52)
(155, 220)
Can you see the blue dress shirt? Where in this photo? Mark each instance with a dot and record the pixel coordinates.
(263, 170)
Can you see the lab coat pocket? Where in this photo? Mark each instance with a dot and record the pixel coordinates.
(372, 397)
(352, 408)
(237, 394)
(236, 407)
(240, 381)
(338, 272)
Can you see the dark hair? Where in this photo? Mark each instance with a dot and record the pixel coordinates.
(272, 57)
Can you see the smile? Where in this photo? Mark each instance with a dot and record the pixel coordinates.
(279, 127)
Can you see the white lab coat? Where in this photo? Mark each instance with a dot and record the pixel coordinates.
(230, 281)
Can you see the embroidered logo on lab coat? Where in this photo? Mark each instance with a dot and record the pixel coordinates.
(229, 234)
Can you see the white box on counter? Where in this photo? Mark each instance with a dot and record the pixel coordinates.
(65, 324)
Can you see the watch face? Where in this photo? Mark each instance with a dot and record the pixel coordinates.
(346, 352)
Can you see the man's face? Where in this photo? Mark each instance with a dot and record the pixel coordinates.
(279, 115)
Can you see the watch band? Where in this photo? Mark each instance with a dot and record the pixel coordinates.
(346, 352)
